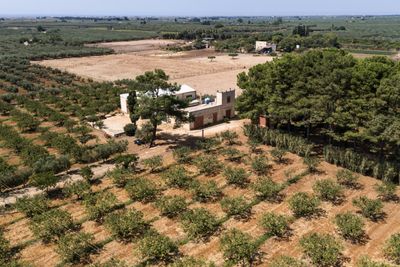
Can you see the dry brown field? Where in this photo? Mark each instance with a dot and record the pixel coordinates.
(39, 254)
(136, 57)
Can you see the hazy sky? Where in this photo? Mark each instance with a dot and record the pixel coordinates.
(199, 7)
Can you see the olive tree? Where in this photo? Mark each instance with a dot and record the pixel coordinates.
(127, 225)
(44, 181)
(259, 165)
(5, 249)
(236, 176)
(350, 226)
(392, 248)
(87, 173)
(177, 177)
(80, 189)
(154, 163)
(236, 206)
(329, 190)
(75, 247)
(206, 191)
(142, 189)
(369, 208)
(230, 137)
(278, 154)
(275, 224)
(347, 178)
(189, 262)
(99, 205)
(32, 206)
(199, 223)
(367, 262)
(238, 247)
(267, 189)
(286, 261)
(386, 191)
(304, 205)
(182, 154)
(157, 247)
(312, 163)
(207, 165)
(232, 154)
(51, 225)
(171, 206)
(322, 249)
(119, 176)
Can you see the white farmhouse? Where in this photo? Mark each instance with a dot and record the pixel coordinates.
(265, 47)
(201, 114)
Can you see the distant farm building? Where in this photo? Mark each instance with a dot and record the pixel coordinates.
(201, 115)
(263, 47)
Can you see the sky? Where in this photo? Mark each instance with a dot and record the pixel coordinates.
(198, 7)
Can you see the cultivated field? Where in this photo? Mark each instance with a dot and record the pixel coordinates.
(193, 67)
(32, 250)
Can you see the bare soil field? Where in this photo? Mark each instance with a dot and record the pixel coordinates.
(192, 67)
(40, 254)
(137, 46)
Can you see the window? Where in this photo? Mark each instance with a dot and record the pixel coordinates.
(228, 100)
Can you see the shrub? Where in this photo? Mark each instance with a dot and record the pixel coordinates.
(80, 189)
(386, 191)
(177, 177)
(182, 154)
(127, 225)
(238, 247)
(260, 165)
(312, 163)
(278, 154)
(154, 163)
(322, 249)
(266, 189)
(51, 225)
(119, 176)
(100, 204)
(75, 247)
(208, 191)
(145, 133)
(5, 249)
(370, 208)
(232, 154)
(347, 178)
(208, 165)
(156, 247)
(110, 263)
(199, 223)
(392, 248)
(229, 137)
(130, 129)
(44, 181)
(208, 145)
(367, 262)
(189, 262)
(329, 190)
(285, 261)
(236, 176)
(32, 206)
(142, 189)
(275, 224)
(350, 226)
(87, 173)
(303, 204)
(127, 162)
(171, 206)
(236, 206)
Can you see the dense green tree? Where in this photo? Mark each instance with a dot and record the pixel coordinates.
(154, 105)
(350, 226)
(238, 247)
(303, 204)
(322, 249)
(157, 247)
(127, 225)
(199, 223)
(392, 248)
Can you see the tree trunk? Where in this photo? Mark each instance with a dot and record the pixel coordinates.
(154, 136)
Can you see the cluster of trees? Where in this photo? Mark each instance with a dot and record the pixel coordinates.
(328, 96)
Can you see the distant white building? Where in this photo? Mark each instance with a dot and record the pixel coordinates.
(265, 47)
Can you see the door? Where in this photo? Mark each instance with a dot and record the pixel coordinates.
(198, 122)
(215, 117)
(228, 113)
